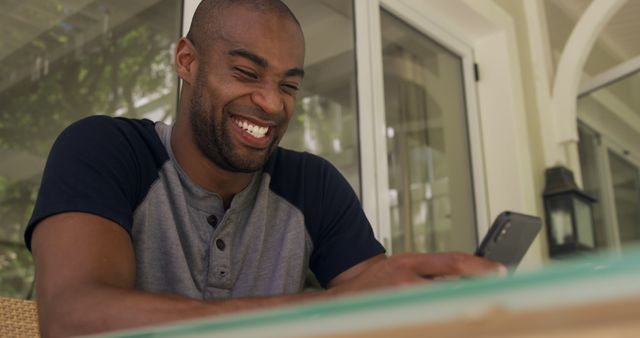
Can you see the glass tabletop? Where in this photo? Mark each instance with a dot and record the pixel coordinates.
(587, 280)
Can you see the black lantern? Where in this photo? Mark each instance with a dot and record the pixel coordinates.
(569, 214)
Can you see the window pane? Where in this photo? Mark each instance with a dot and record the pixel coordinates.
(325, 121)
(430, 183)
(590, 168)
(561, 224)
(61, 61)
(626, 190)
(584, 222)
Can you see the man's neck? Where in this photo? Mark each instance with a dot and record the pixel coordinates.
(204, 172)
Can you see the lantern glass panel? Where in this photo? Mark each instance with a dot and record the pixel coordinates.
(584, 222)
(561, 221)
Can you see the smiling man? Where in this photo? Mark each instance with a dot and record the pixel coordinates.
(139, 222)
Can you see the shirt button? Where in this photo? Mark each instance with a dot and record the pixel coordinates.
(212, 220)
(220, 244)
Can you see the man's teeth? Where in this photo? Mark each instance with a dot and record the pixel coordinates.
(255, 131)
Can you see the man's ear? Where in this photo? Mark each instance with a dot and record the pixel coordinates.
(186, 61)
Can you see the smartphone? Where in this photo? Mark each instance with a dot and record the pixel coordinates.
(509, 238)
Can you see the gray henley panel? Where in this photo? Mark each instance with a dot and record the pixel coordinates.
(258, 247)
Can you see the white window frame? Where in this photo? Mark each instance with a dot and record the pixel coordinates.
(372, 118)
(188, 8)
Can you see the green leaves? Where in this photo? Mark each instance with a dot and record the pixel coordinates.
(76, 65)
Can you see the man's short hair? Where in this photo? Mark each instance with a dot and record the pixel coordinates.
(205, 25)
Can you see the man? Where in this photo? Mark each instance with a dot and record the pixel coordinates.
(139, 223)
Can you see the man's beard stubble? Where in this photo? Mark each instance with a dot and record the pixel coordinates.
(213, 140)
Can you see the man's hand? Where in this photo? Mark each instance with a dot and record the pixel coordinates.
(412, 268)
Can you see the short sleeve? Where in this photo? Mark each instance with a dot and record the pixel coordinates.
(344, 237)
(95, 166)
(339, 229)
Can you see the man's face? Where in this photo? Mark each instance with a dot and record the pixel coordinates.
(244, 93)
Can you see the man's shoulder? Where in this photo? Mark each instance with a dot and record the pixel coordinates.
(97, 125)
(287, 166)
(101, 132)
(103, 145)
(284, 160)
(99, 165)
(294, 174)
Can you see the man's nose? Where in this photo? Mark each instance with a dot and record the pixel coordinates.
(269, 98)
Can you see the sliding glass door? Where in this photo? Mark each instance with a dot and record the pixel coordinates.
(431, 196)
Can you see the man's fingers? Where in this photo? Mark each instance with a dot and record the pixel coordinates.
(430, 265)
(415, 268)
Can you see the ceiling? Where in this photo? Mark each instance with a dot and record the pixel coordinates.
(620, 38)
(618, 43)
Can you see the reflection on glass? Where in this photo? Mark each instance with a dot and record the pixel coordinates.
(610, 114)
(325, 121)
(590, 168)
(626, 189)
(431, 194)
(61, 61)
(584, 222)
(561, 224)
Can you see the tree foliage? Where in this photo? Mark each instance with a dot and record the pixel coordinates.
(62, 76)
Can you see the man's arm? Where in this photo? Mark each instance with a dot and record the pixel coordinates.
(412, 268)
(85, 272)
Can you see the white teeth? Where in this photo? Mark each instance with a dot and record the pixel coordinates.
(252, 129)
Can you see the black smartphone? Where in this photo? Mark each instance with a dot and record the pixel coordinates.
(509, 238)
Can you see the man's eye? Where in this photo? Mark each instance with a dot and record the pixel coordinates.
(247, 73)
(290, 87)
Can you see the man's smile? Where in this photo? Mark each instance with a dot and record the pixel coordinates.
(255, 134)
(253, 129)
